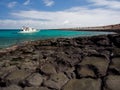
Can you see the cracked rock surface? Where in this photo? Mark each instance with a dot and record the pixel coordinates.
(82, 63)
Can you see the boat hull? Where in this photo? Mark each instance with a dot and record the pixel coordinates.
(28, 31)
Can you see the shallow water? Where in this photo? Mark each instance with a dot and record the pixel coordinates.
(10, 37)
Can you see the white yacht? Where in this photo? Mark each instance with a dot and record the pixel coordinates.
(28, 30)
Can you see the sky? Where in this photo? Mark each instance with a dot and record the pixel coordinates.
(44, 14)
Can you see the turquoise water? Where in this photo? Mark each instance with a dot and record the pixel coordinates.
(11, 37)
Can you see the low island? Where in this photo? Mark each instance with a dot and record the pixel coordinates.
(107, 28)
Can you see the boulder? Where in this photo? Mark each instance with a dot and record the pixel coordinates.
(48, 69)
(115, 39)
(70, 72)
(28, 65)
(51, 84)
(45, 43)
(17, 76)
(1, 64)
(34, 80)
(83, 41)
(7, 70)
(64, 42)
(36, 88)
(83, 84)
(115, 52)
(112, 82)
(68, 59)
(56, 81)
(85, 71)
(27, 49)
(90, 51)
(101, 41)
(59, 78)
(98, 64)
(115, 65)
(12, 87)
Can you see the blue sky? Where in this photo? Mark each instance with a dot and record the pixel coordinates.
(58, 13)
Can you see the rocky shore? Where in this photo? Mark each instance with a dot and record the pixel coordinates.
(83, 63)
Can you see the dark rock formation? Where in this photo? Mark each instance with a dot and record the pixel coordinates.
(56, 81)
(83, 84)
(83, 63)
(99, 65)
(112, 82)
(34, 80)
(12, 87)
(48, 69)
(36, 88)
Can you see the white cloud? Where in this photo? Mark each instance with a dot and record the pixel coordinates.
(66, 22)
(114, 4)
(26, 2)
(19, 23)
(12, 4)
(48, 2)
(73, 17)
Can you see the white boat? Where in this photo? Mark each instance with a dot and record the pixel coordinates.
(28, 30)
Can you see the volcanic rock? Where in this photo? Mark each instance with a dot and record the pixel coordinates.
(17, 76)
(12, 87)
(85, 71)
(112, 82)
(36, 88)
(34, 80)
(56, 81)
(115, 65)
(48, 69)
(98, 64)
(83, 84)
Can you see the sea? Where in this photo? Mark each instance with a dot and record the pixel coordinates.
(9, 37)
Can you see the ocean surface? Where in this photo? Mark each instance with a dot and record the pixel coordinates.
(10, 37)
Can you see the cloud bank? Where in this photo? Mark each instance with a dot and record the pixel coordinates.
(72, 17)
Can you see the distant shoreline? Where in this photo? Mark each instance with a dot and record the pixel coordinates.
(108, 28)
(98, 30)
